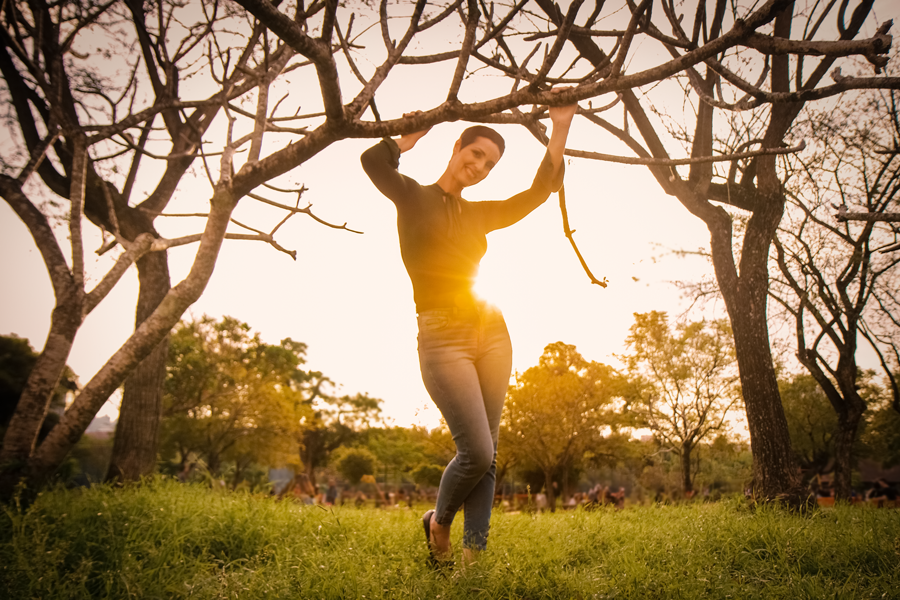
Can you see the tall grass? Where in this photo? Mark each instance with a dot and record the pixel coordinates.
(167, 540)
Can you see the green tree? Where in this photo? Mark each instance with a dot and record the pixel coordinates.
(811, 421)
(428, 475)
(882, 436)
(355, 463)
(232, 399)
(558, 411)
(689, 379)
(726, 468)
(334, 422)
(397, 449)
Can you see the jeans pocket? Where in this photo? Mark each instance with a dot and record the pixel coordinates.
(434, 322)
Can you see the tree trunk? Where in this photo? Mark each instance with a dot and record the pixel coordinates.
(686, 483)
(22, 433)
(548, 485)
(137, 431)
(774, 473)
(844, 438)
(311, 472)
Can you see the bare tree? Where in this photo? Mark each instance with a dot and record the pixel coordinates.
(765, 77)
(839, 282)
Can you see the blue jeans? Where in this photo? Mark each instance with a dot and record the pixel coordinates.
(466, 360)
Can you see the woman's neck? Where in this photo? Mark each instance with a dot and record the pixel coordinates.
(450, 184)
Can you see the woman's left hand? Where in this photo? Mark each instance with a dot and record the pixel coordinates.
(561, 116)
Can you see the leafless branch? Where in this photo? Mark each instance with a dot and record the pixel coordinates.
(570, 234)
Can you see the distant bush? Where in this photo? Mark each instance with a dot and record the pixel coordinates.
(428, 475)
(354, 463)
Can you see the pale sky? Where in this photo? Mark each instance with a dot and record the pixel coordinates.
(348, 297)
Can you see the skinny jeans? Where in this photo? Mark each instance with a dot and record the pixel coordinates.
(466, 359)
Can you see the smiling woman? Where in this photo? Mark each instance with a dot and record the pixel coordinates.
(465, 353)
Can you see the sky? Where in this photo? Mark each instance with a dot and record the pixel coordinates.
(348, 297)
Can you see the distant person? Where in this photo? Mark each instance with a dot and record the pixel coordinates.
(465, 353)
(331, 493)
(883, 493)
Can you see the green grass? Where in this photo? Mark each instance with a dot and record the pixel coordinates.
(167, 540)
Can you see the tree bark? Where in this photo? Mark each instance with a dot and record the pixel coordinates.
(686, 483)
(774, 473)
(548, 485)
(849, 413)
(137, 431)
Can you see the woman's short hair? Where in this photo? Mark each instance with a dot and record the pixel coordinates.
(476, 131)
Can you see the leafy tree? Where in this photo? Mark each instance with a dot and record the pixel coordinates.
(721, 466)
(882, 435)
(334, 422)
(726, 466)
(558, 411)
(355, 463)
(397, 449)
(428, 475)
(230, 398)
(689, 378)
(811, 421)
(437, 444)
(436, 449)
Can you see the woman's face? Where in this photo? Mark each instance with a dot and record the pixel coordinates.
(472, 164)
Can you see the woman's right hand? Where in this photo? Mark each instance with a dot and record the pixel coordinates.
(407, 141)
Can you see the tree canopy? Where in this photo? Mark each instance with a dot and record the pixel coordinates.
(688, 381)
(558, 412)
(231, 399)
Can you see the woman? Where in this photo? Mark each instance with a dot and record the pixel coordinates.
(464, 350)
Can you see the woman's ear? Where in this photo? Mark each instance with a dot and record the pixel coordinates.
(457, 146)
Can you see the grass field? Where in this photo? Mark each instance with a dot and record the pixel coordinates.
(167, 540)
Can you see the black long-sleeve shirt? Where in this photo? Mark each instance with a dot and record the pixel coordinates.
(442, 237)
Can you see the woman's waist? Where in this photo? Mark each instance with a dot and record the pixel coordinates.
(453, 302)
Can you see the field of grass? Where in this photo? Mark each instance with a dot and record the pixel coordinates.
(167, 540)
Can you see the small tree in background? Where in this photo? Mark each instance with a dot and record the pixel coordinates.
(355, 463)
(333, 422)
(811, 421)
(428, 475)
(558, 411)
(231, 398)
(689, 378)
(882, 435)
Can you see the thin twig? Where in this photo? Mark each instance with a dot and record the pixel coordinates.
(570, 234)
